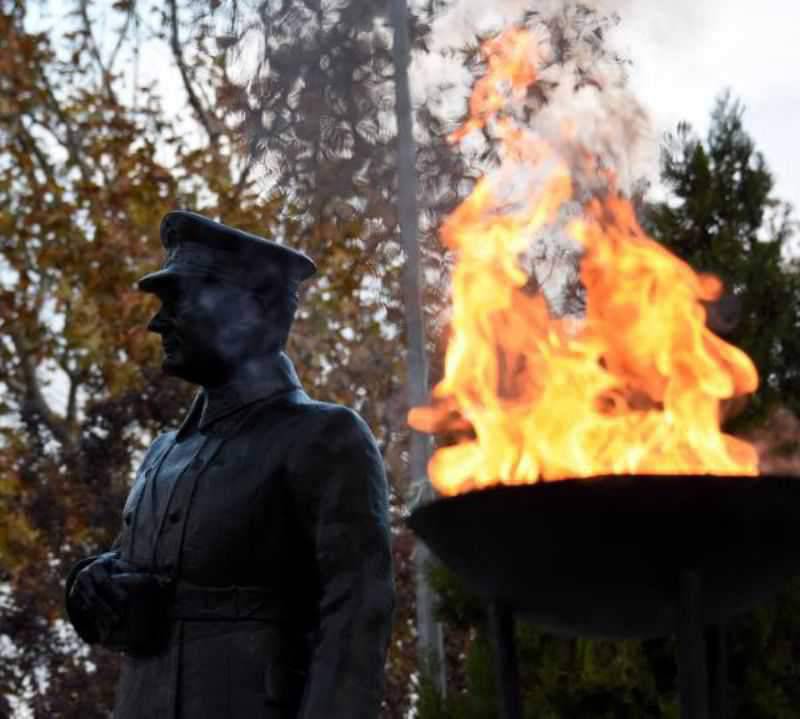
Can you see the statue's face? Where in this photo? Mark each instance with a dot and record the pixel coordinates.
(207, 329)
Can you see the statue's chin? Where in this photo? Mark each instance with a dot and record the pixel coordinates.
(204, 374)
(173, 366)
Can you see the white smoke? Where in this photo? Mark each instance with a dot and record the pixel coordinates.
(608, 117)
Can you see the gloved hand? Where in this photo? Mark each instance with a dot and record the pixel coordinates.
(114, 603)
(95, 602)
(143, 628)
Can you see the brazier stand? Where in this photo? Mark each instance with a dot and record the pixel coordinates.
(619, 557)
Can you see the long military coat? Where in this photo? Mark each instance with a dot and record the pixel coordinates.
(269, 510)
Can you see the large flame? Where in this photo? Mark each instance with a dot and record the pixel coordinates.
(634, 386)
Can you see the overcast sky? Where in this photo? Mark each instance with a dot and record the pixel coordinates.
(683, 56)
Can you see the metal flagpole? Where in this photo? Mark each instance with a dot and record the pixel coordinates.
(430, 646)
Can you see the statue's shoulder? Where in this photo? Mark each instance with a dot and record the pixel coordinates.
(332, 423)
(306, 420)
(313, 410)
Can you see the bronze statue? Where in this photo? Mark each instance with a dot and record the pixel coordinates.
(252, 575)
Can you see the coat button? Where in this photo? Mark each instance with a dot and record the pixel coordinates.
(174, 516)
(127, 518)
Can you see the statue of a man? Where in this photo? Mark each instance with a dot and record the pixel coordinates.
(252, 578)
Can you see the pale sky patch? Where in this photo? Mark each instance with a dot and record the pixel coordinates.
(680, 67)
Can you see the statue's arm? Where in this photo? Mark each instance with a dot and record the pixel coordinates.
(93, 607)
(345, 510)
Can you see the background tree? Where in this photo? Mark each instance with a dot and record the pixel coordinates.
(721, 217)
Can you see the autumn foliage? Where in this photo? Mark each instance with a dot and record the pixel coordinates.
(90, 160)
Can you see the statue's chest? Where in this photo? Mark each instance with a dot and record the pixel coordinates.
(205, 502)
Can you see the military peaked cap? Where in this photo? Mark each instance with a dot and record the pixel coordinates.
(199, 247)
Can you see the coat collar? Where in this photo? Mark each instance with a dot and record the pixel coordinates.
(265, 378)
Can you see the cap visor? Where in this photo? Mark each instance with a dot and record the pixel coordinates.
(170, 275)
(156, 280)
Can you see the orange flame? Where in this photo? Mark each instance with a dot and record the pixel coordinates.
(635, 386)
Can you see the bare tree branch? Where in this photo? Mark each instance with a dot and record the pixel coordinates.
(244, 178)
(180, 60)
(123, 34)
(94, 50)
(29, 145)
(69, 141)
(72, 399)
(33, 400)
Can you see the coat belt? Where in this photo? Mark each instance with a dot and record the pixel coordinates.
(193, 602)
